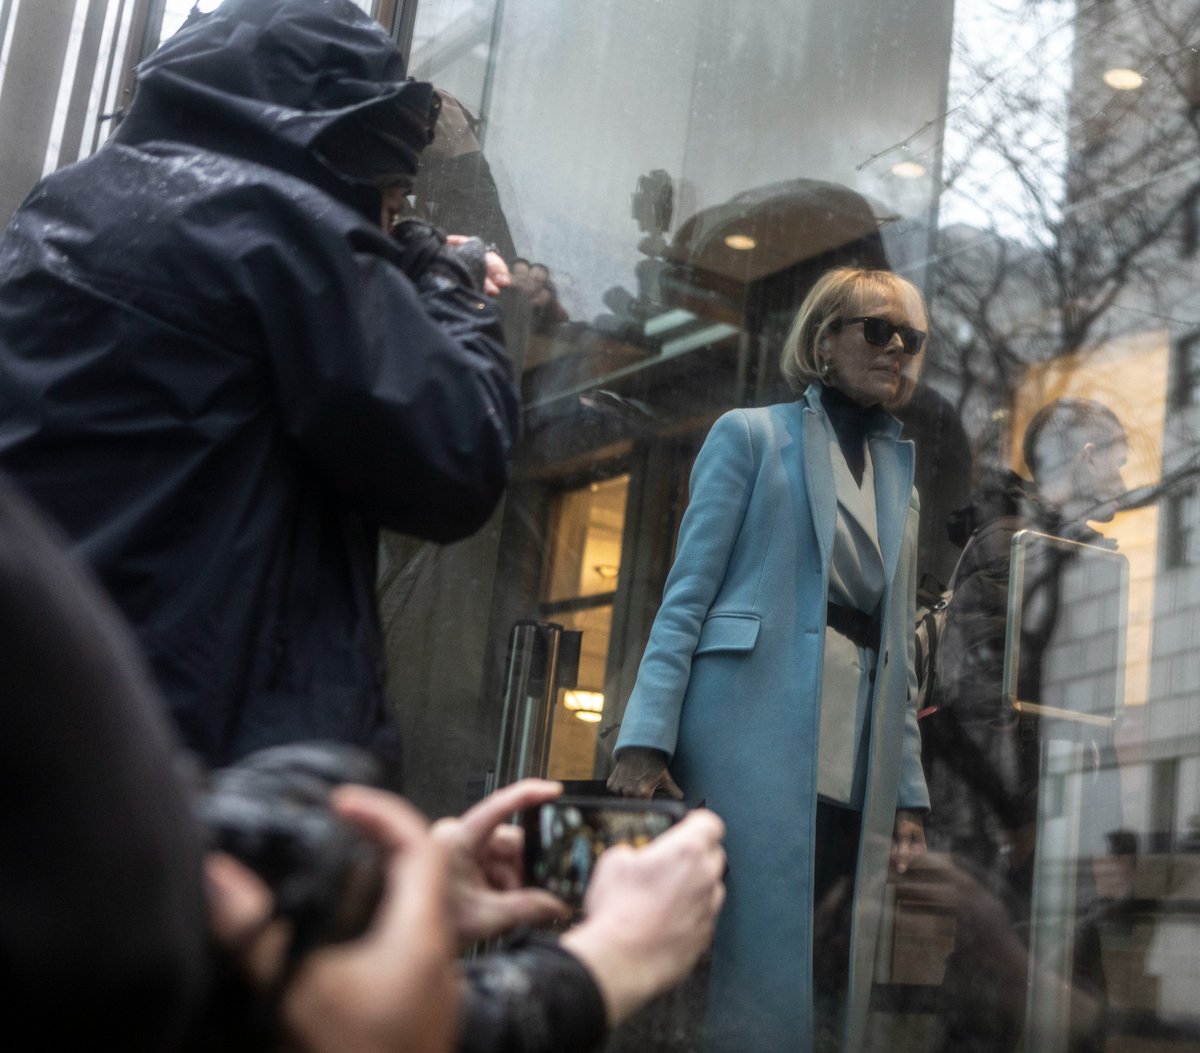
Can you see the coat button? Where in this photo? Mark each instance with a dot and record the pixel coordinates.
(885, 658)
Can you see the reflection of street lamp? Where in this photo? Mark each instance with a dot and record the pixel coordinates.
(586, 705)
(1121, 78)
(908, 169)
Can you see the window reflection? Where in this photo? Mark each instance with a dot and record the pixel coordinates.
(667, 180)
(582, 575)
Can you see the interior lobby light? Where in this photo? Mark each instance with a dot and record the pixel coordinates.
(908, 169)
(1120, 78)
(586, 705)
(607, 571)
(740, 242)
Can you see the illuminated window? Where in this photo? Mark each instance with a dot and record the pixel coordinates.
(1185, 378)
(582, 572)
(1182, 547)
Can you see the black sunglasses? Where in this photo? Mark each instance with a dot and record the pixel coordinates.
(878, 332)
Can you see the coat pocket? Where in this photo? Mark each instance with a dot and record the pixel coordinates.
(728, 632)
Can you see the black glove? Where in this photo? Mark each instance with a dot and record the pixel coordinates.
(271, 811)
(425, 256)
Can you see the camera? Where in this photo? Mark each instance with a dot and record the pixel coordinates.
(271, 812)
(565, 837)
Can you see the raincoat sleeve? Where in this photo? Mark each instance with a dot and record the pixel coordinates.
(403, 398)
(721, 484)
(534, 997)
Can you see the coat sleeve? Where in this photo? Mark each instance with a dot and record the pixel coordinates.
(534, 997)
(721, 484)
(913, 793)
(402, 398)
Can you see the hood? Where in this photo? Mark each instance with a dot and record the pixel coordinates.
(314, 88)
(1002, 492)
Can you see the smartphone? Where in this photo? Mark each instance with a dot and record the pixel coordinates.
(565, 837)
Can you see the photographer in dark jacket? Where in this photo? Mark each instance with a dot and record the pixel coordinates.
(222, 376)
(122, 929)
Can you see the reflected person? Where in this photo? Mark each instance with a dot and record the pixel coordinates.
(776, 683)
(983, 757)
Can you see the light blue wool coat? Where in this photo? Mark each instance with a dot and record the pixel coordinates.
(729, 688)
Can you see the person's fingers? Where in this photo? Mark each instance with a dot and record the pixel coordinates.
(478, 822)
(239, 901)
(616, 783)
(699, 823)
(414, 915)
(414, 904)
(526, 906)
(643, 788)
(387, 819)
(671, 787)
(497, 270)
(241, 919)
(504, 857)
(718, 898)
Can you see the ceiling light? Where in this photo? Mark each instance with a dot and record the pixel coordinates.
(586, 705)
(908, 169)
(740, 242)
(1120, 78)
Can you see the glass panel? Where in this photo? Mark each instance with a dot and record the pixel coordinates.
(451, 46)
(580, 710)
(175, 13)
(586, 555)
(668, 181)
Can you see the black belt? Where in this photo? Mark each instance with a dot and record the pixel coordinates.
(863, 629)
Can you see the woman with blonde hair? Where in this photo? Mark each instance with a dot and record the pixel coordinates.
(776, 685)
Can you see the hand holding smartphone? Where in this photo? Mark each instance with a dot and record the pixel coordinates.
(564, 838)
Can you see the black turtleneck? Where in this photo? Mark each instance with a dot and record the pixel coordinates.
(851, 423)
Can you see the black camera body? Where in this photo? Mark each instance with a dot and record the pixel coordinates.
(271, 811)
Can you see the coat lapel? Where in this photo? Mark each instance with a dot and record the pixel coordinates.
(893, 485)
(818, 474)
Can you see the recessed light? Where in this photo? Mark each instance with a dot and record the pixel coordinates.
(908, 169)
(586, 705)
(740, 242)
(1119, 78)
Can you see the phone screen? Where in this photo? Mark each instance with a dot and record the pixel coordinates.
(565, 838)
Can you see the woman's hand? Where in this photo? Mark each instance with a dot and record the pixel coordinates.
(908, 838)
(642, 772)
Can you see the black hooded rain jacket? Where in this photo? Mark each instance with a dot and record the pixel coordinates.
(217, 376)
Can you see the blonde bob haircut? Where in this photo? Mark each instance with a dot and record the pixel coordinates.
(841, 293)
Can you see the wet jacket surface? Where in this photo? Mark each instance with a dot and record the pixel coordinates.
(216, 375)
